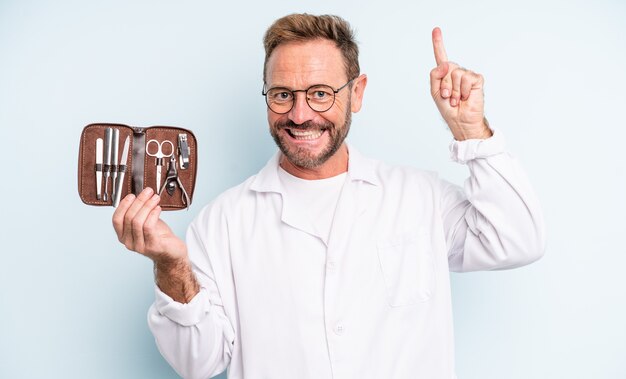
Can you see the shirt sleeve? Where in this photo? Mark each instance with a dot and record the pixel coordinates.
(197, 338)
(495, 221)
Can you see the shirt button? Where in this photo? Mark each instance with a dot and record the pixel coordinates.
(330, 265)
(339, 329)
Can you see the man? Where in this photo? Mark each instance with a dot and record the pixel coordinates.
(327, 264)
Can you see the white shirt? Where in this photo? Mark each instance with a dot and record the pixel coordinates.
(313, 201)
(276, 302)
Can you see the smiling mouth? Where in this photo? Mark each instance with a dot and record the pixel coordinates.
(304, 135)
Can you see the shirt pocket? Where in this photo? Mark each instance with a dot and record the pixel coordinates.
(407, 266)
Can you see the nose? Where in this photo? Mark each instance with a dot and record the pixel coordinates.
(300, 112)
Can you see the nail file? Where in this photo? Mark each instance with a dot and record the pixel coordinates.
(108, 138)
(114, 155)
(99, 168)
(122, 171)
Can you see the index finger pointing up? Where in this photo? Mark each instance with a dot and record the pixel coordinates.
(440, 51)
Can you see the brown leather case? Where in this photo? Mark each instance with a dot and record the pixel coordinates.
(141, 168)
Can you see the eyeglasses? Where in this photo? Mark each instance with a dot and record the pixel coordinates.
(320, 97)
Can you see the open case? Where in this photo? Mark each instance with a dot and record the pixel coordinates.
(161, 157)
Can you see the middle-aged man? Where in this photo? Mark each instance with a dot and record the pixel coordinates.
(327, 264)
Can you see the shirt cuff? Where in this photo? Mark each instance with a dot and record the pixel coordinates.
(464, 151)
(184, 314)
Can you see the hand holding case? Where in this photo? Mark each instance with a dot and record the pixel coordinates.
(141, 168)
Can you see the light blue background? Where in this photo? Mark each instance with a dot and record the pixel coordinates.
(73, 301)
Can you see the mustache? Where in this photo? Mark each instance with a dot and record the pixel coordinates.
(288, 124)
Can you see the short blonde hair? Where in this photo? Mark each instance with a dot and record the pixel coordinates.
(306, 27)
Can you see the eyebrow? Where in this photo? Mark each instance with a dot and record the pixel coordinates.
(301, 89)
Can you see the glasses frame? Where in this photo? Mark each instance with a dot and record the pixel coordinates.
(293, 92)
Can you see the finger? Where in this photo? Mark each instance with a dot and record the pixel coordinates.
(456, 76)
(127, 236)
(138, 229)
(120, 212)
(469, 81)
(440, 51)
(437, 76)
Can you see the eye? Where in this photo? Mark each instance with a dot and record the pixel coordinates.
(279, 95)
(320, 93)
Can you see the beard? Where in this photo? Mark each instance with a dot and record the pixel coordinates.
(304, 158)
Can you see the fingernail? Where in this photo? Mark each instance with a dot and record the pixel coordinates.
(445, 92)
(155, 197)
(453, 102)
(146, 193)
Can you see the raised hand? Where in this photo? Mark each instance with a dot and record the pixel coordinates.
(458, 94)
(138, 226)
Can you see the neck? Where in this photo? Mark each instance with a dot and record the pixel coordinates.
(335, 165)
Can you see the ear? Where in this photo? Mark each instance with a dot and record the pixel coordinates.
(358, 88)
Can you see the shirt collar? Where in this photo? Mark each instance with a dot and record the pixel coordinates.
(360, 168)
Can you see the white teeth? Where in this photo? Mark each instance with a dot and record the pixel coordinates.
(305, 134)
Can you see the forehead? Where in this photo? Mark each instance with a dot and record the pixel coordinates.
(301, 64)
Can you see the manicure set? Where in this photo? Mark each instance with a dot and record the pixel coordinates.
(116, 159)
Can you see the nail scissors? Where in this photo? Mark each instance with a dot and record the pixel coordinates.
(159, 155)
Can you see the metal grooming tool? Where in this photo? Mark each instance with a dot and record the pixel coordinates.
(159, 155)
(99, 168)
(108, 138)
(122, 171)
(114, 155)
(183, 151)
(170, 183)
